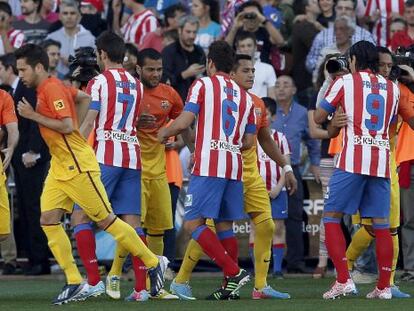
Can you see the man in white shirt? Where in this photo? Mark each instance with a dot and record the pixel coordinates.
(265, 77)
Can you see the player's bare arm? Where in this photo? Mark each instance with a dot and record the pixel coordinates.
(320, 115)
(82, 102)
(12, 139)
(88, 122)
(183, 122)
(272, 150)
(64, 126)
(339, 120)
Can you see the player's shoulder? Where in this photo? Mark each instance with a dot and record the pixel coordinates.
(257, 101)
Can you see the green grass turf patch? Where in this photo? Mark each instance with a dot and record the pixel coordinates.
(306, 294)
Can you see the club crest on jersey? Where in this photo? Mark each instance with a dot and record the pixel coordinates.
(165, 104)
(188, 200)
(59, 104)
(258, 112)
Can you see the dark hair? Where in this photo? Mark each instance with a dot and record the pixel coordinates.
(139, 1)
(50, 42)
(270, 104)
(409, 4)
(40, 4)
(131, 49)
(383, 50)
(172, 33)
(243, 35)
(170, 12)
(238, 58)
(222, 56)
(33, 54)
(6, 8)
(249, 4)
(113, 45)
(366, 55)
(214, 9)
(399, 20)
(147, 53)
(9, 60)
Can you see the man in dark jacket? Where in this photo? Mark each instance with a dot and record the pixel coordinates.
(183, 60)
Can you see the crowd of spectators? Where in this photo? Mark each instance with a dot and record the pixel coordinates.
(289, 41)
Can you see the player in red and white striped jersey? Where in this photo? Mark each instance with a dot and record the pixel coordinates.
(384, 10)
(141, 22)
(113, 114)
(117, 95)
(361, 180)
(14, 37)
(269, 170)
(225, 124)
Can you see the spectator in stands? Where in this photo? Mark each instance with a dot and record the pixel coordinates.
(52, 49)
(250, 18)
(327, 37)
(208, 14)
(397, 24)
(265, 76)
(71, 35)
(48, 11)
(141, 22)
(10, 39)
(34, 27)
(327, 15)
(304, 31)
(91, 11)
(405, 38)
(183, 60)
(344, 28)
(30, 163)
(160, 38)
(292, 120)
(131, 59)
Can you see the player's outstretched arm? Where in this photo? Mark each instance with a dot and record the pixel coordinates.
(184, 120)
(320, 115)
(63, 126)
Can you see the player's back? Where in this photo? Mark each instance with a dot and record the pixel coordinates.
(225, 113)
(117, 95)
(370, 103)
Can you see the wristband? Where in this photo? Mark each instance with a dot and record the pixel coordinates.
(287, 168)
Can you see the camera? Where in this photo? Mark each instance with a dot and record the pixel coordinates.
(403, 56)
(337, 64)
(251, 15)
(85, 60)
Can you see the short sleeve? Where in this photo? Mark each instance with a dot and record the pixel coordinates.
(251, 121)
(177, 104)
(334, 96)
(8, 113)
(58, 102)
(195, 96)
(93, 90)
(261, 114)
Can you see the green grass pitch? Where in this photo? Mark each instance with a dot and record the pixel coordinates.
(306, 294)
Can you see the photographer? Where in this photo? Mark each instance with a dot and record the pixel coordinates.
(83, 67)
(250, 18)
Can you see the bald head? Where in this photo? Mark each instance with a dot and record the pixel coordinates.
(285, 89)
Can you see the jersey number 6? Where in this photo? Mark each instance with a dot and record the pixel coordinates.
(228, 121)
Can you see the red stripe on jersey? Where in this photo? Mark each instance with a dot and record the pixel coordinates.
(213, 167)
(200, 132)
(112, 97)
(229, 157)
(358, 115)
(373, 168)
(388, 117)
(268, 176)
(124, 146)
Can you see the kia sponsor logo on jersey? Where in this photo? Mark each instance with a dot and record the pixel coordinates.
(224, 145)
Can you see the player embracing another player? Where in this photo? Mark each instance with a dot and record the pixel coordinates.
(362, 176)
